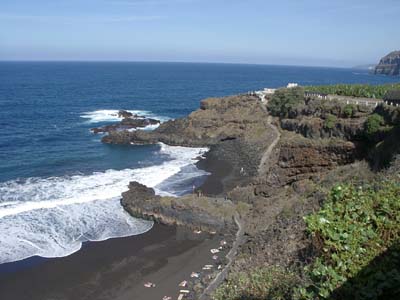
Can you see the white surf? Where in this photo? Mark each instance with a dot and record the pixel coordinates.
(52, 217)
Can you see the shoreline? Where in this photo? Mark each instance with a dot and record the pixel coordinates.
(113, 269)
(165, 255)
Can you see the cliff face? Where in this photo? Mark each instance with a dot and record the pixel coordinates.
(389, 65)
(297, 158)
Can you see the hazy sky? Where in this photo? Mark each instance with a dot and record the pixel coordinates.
(300, 32)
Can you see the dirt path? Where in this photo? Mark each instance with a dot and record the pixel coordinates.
(262, 170)
(230, 256)
(240, 238)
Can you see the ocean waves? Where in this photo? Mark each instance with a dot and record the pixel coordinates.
(111, 115)
(52, 217)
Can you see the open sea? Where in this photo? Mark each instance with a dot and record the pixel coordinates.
(60, 186)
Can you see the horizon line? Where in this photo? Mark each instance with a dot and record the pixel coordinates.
(171, 62)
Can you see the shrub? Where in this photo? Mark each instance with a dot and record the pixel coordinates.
(354, 226)
(271, 283)
(285, 100)
(330, 121)
(373, 124)
(349, 110)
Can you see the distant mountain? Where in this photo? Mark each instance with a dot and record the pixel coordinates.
(389, 65)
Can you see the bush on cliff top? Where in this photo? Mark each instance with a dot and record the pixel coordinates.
(354, 227)
(330, 121)
(285, 100)
(373, 124)
(349, 110)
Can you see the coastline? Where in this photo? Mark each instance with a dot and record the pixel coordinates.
(114, 269)
(165, 255)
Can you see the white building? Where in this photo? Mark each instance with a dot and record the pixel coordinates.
(268, 91)
(292, 85)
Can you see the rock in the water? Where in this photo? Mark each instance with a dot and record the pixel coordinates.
(132, 122)
(125, 114)
(389, 65)
(195, 212)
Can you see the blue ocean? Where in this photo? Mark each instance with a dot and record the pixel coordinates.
(60, 186)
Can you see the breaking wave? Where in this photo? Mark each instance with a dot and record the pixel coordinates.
(52, 217)
(111, 115)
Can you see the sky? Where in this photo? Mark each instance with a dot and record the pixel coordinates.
(339, 33)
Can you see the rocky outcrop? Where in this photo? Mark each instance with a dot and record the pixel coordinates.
(389, 65)
(129, 121)
(218, 119)
(192, 211)
(125, 114)
(126, 124)
(298, 159)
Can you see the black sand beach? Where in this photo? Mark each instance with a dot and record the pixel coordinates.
(114, 269)
(117, 269)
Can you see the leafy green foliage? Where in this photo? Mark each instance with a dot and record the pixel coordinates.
(349, 110)
(330, 121)
(373, 124)
(354, 226)
(261, 283)
(285, 100)
(355, 90)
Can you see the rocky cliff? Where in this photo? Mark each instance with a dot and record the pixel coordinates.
(218, 119)
(389, 65)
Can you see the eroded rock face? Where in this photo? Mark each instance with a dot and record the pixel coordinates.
(218, 119)
(389, 65)
(208, 214)
(300, 159)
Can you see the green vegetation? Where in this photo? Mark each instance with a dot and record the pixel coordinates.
(373, 124)
(354, 227)
(330, 121)
(349, 110)
(262, 283)
(356, 234)
(285, 100)
(355, 90)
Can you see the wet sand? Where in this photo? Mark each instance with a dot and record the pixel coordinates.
(114, 269)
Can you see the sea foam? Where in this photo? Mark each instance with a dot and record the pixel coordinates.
(51, 217)
(111, 115)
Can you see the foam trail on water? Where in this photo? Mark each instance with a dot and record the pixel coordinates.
(51, 217)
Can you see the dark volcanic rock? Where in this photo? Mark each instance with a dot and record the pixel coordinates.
(127, 123)
(389, 65)
(300, 159)
(217, 120)
(195, 212)
(124, 114)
